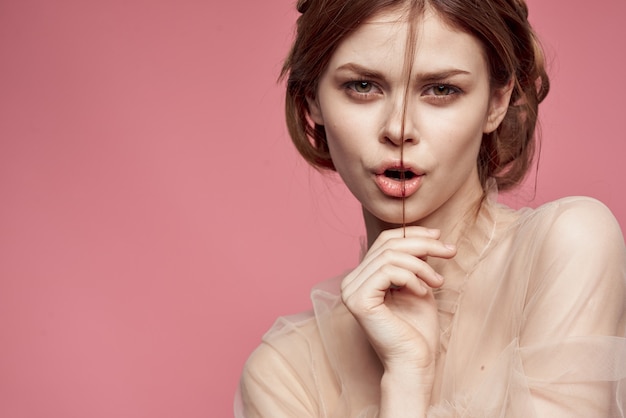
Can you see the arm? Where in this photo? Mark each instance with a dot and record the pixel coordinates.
(390, 296)
(574, 308)
(405, 393)
(271, 388)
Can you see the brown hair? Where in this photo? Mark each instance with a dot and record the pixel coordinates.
(511, 47)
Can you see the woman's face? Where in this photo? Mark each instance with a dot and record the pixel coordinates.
(450, 105)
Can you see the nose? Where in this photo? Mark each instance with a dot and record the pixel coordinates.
(398, 127)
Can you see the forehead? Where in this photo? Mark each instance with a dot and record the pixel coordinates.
(382, 42)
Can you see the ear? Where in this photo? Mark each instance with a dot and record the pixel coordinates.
(498, 106)
(315, 112)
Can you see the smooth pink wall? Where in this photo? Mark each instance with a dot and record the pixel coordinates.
(154, 219)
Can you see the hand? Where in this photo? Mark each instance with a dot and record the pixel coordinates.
(390, 295)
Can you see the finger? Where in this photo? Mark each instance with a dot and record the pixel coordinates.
(371, 293)
(410, 231)
(415, 265)
(416, 246)
(419, 267)
(390, 253)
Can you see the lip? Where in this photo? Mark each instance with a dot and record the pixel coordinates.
(397, 187)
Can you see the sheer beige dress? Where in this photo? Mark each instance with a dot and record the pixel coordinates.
(532, 319)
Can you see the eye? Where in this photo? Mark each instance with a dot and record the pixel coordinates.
(362, 86)
(442, 90)
(362, 89)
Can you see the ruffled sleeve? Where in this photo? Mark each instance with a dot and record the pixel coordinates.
(571, 337)
(279, 378)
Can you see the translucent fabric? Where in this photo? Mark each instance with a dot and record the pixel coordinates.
(532, 318)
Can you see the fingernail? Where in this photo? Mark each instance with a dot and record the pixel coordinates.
(450, 246)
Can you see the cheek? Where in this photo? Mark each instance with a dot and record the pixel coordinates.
(454, 137)
(349, 132)
(340, 146)
(457, 126)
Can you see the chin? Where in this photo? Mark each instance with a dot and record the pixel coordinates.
(391, 214)
(394, 219)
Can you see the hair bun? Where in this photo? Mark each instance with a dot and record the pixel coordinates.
(303, 5)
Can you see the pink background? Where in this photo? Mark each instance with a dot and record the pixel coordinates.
(154, 219)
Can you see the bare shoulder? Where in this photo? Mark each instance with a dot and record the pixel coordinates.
(579, 244)
(579, 222)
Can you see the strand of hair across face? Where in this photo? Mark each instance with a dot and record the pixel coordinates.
(403, 180)
(408, 69)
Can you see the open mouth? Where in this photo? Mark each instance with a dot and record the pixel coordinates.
(399, 174)
(399, 181)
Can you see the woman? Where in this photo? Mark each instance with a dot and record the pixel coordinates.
(460, 306)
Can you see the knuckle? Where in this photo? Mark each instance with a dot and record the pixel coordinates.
(387, 269)
(348, 299)
(344, 283)
(387, 254)
(387, 235)
(345, 299)
(352, 302)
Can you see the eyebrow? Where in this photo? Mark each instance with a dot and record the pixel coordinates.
(423, 77)
(440, 75)
(362, 71)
